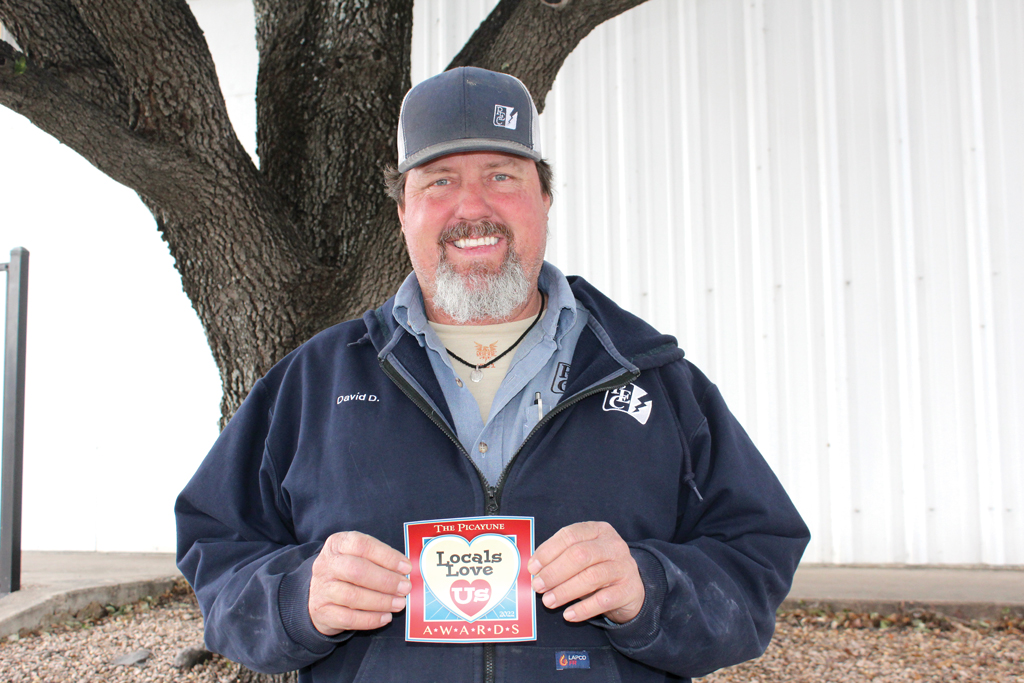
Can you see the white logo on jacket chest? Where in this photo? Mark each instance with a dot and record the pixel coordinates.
(631, 400)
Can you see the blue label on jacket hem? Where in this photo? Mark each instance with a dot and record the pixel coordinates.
(569, 659)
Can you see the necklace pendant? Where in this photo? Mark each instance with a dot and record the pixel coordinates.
(476, 374)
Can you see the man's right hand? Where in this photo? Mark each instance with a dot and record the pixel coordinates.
(357, 583)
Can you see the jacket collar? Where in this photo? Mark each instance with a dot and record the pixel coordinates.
(615, 340)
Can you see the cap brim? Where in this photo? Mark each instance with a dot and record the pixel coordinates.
(467, 145)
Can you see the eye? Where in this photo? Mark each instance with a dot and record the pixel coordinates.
(442, 182)
(501, 177)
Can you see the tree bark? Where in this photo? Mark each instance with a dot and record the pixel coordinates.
(268, 256)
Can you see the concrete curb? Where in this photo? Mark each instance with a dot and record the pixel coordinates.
(986, 611)
(37, 607)
(960, 592)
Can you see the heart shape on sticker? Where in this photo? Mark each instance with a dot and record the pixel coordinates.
(471, 597)
(470, 577)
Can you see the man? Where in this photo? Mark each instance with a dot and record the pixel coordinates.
(666, 543)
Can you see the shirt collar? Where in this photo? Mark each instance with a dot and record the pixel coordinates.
(411, 315)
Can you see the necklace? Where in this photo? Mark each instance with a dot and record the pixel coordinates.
(477, 374)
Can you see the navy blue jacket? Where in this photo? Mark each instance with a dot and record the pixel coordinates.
(351, 432)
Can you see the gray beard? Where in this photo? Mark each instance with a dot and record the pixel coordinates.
(480, 295)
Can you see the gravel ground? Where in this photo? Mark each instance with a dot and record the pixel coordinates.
(84, 652)
(815, 648)
(808, 646)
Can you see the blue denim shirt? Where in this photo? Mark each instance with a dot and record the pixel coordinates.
(540, 365)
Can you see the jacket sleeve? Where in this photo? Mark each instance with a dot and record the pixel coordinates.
(712, 591)
(237, 548)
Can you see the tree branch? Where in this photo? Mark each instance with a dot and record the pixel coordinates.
(51, 32)
(53, 37)
(181, 155)
(477, 49)
(530, 39)
(161, 127)
(46, 100)
(165, 64)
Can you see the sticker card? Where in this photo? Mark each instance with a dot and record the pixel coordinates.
(469, 580)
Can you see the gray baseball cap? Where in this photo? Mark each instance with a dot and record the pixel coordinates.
(467, 110)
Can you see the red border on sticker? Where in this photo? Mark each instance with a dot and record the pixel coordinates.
(469, 580)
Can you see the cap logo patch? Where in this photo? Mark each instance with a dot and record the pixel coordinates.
(504, 118)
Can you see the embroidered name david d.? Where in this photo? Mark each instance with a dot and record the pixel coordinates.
(357, 397)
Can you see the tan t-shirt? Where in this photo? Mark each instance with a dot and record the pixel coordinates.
(478, 344)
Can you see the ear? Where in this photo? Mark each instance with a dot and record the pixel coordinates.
(401, 217)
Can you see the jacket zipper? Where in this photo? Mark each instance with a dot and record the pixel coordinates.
(614, 383)
(493, 493)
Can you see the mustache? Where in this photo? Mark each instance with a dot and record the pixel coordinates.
(464, 230)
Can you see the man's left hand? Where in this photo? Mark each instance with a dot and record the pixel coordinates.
(591, 563)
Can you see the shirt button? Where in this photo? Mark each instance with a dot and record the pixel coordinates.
(458, 381)
(483, 447)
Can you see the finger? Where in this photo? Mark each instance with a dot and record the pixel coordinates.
(333, 619)
(576, 559)
(620, 602)
(360, 572)
(370, 548)
(356, 597)
(564, 538)
(584, 583)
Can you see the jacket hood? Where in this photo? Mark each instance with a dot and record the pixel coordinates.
(634, 338)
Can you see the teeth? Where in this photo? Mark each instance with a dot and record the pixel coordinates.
(476, 242)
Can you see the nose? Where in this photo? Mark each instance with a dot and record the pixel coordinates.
(472, 203)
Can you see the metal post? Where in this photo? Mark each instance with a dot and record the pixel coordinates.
(13, 421)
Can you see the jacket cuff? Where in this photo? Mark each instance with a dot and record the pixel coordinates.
(641, 630)
(293, 605)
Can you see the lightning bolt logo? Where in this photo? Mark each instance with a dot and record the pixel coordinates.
(640, 405)
(630, 399)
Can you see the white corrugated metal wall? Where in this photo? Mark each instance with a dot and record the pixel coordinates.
(824, 201)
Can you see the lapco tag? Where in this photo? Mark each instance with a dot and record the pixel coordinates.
(469, 580)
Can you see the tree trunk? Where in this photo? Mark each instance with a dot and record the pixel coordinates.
(268, 256)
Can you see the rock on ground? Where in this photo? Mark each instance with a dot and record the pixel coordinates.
(191, 657)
